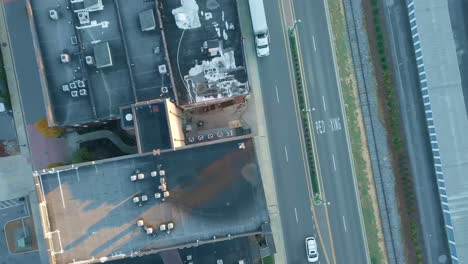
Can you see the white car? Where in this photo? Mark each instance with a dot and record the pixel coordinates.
(311, 249)
(263, 48)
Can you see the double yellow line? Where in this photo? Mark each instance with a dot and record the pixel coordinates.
(283, 7)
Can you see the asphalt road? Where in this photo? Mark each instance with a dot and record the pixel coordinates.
(333, 156)
(417, 139)
(285, 144)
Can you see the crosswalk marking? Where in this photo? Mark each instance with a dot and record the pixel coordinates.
(9, 203)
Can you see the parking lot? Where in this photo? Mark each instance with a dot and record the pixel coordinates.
(18, 243)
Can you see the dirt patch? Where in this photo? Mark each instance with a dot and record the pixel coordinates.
(21, 235)
(368, 173)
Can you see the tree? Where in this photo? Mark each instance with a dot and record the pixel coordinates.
(82, 155)
(43, 127)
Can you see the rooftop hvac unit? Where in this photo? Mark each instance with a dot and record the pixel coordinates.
(53, 14)
(170, 226)
(164, 90)
(140, 222)
(162, 69)
(74, 93)
(83, 17)
(64, 58)
(72, 85)
(83, 92)
(65, 88)
(163, 187)
(89, 60)
(149, 230)
(80, 83)
(191, 139)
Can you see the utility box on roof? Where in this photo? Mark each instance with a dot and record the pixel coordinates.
(102, 55)
(147, 21)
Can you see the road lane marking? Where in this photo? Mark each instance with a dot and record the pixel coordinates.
(291, 78)
(334, 164)
(343, 113)
(61, 191)
(313, 41)
(344, 224)
(324, 104)
(317, 164)
(277, 95)
(286, 153)
(295, 213)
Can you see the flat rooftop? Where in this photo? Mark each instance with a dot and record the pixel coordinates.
(215, 191)
(200, 76)
(446, 115)
(127, 72)
(229, 251)
(153, 126)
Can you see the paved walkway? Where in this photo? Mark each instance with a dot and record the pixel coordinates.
(47, 150)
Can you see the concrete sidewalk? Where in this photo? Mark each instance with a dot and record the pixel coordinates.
(261, 140)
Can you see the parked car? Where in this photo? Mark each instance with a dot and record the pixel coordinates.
(311, 249)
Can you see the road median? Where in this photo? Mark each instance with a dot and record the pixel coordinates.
(304, 115)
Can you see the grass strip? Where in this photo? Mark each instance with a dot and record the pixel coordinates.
(304, 114)
(350, 97)
(268, 260)
(388, 100)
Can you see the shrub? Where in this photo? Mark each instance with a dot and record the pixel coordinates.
(82, 155)
(51, 132)
(55, 164)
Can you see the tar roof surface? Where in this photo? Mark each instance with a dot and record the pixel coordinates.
(229, 251)
(135, 64)
(153, 127)
(185, 45)
(216, 190)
